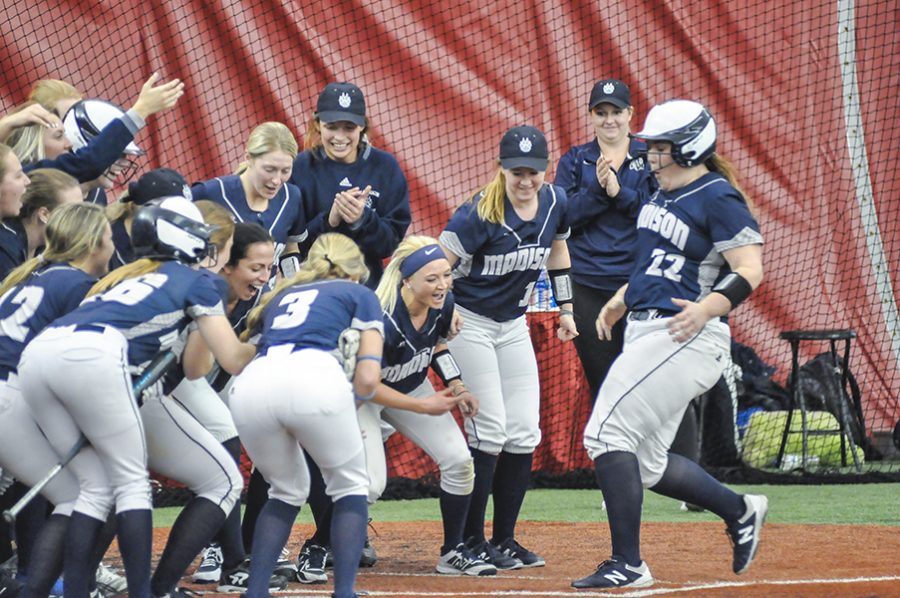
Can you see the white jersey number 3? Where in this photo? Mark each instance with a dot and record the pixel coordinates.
(297, 308)
(667, 265)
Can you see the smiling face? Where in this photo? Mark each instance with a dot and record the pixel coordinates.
(251, 272)
(611, 123)
(428, 286)
(341, 140)
(55, 141)
(266, 174)
(12, 186)
(664, 168)
(523, 184)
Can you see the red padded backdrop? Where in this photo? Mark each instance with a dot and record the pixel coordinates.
(443, 80)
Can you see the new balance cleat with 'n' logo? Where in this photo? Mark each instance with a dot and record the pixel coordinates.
(616, 574)
(745, 532)
(462, 561)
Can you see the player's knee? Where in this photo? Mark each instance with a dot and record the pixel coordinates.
(596, 446)
(458, 478)
(650, 475)
(94, 500)
(349, 479)
(132, 495)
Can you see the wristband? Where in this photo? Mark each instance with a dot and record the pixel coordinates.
(566, 312)
(445, 367)
(371, 357)
(561, 284)
(734, 287)
(367, 397)
(289, 264)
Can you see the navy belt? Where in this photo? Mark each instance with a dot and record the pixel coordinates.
(649, 314)
(90, 328)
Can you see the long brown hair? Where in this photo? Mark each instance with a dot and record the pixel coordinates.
(720, 165)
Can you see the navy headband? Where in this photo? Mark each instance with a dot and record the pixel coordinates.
(418, 258)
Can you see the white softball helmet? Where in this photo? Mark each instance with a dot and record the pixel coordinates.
(687, 125)
(86, 118)
(171, 228)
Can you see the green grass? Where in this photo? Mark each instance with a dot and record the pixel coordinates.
(874, 504)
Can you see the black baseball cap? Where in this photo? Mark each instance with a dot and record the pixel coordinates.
(341, 101)
(610, 91)
(162, 182)
(524, 147)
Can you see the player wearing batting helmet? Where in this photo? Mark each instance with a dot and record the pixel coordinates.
(699, 256)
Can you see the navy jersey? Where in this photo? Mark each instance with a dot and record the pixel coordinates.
(681, 237)
(50, 292)
(13, 246)
(407, 351)
(499, 264)
(603, 244)
(124, 251)
(97, 195)
(152, 310)
(387, 213)
(283, 217)
(99, 154)
(312, 316)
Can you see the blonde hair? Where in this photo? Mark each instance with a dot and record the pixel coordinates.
(720, 165)
(44, 189)
(47, 92)
(216, 215)
(491, 206)
(388, 286)
(73, 232)
(332, 255)
(123, 209)
(5, 150)
(27, 142)
(268, 137)
(136, 268)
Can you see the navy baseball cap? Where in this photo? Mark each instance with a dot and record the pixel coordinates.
(162, 182)
(524, 147)
(341, 101)
(610, 91)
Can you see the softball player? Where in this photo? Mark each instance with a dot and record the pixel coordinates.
(296, 396)
(78, 245)
(349, 186)
(499, 242)
(606, 181)
(98, 345)
(13, 181)
(260, 192)
(699, 256)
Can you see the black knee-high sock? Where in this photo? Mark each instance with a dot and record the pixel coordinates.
(619, 478)
(46, 561)
(28, 526)
(134, 530)
(273, 528)
(229, 536)
(687, 481)
(80, 540)
(454, 508)
(348, 535)
(484, 477)
(192, 530)
(511, 480)
(257, 495)
(319, 503)
(104, 539)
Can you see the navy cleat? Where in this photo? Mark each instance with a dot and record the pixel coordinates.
(616, 574)
(745, 532)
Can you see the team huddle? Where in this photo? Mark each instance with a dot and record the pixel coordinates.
(301, 324)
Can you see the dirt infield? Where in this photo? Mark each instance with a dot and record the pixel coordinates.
(687, 559)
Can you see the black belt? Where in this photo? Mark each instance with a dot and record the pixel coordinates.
(90, 328)
(649, 314)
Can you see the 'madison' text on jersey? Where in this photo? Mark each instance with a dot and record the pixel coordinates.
(407, 351)
(313, 315)
(499, 264)
(681, 238)
(27, 308)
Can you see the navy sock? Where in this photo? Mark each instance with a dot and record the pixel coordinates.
(104, 539)
(257, 495)
(687, 481)
(80, 540)
(229, 536)
(28, 526)
(135, 535)
(273, 527)
(484, 477)
(319, 503)
(192, 530)
(454, 508)
(348, 535)
(46, 561)
(511, 480)
(619, 478)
